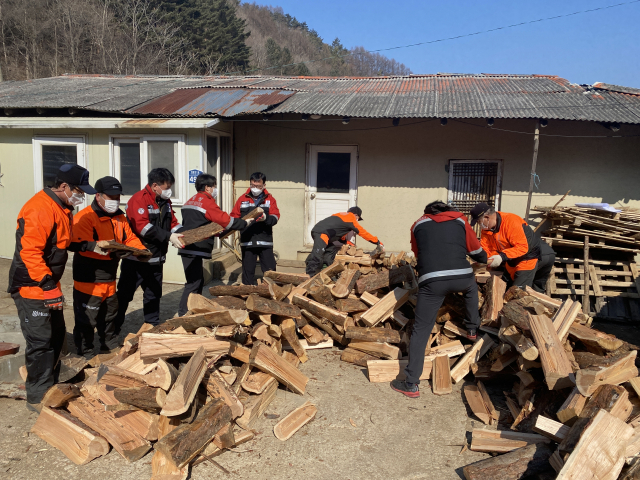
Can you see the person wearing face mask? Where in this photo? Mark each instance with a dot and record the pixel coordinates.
(200, 210)
(95, 304)
(441, 240)
(257, 239)
(510, 241)
(152, 219)
(43, 235)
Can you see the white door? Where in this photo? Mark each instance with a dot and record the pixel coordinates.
(332, 184)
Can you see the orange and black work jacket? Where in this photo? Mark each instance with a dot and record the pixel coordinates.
(90, 225)
(153, 221)
(441, 243)
(514, 240)
(258, 234)
(43, 234)
(339, 227)
(200, 210)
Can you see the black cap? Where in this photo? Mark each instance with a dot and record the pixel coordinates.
(76, 175)
(357, 211)
(477, 212)
(109, 186)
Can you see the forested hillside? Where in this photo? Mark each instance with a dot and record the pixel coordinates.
(41, 38)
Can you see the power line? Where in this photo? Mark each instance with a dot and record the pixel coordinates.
(445, 39)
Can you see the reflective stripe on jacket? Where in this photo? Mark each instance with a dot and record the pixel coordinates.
(200, 210)
(43, 234)
(258, 234)
(92, 224)
(153, 221)
(514, 240)
(338, 226)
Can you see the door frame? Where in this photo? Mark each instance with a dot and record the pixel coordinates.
(311, 179)
(498, 178)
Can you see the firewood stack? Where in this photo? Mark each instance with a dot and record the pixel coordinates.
(597, 247)
(197, 385)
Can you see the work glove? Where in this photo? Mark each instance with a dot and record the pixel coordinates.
(381, 245)
(494, 261)
(175, 240)
(53, 298)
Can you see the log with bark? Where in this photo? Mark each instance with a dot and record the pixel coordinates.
(292, 278)
(494, 299)
(268, 361)
(524, 462)
(384, 279)
(618, 370)
(60, 394)
(185, 387)
(181, 445)
(146, 398)
(380, 335)
(239, 290)
(271, 307)
(334, 316)
(77, 441)
(199, 234)
(555, 364)
(114, 246)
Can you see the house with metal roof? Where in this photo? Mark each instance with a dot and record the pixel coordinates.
(388, 144)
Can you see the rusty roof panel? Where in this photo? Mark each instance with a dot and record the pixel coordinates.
(200, 102)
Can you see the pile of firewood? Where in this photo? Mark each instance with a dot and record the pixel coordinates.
(197, 384)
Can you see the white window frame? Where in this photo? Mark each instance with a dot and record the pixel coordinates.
(181, 175)
(79, 141)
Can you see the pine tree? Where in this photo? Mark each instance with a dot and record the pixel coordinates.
(215, 34)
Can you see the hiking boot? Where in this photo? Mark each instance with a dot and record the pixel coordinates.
(411, 390)
(34, 407)
(472, 334)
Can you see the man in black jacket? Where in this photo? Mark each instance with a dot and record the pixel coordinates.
(441, 240)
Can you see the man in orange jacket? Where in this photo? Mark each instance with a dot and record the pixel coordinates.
(43, 234)
(330, 234)
(509, 240)
(95, 303)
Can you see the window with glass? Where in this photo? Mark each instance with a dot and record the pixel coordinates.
(134, 158)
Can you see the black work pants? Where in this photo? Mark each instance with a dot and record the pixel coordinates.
(321, 254)
(430, 298)
(195, 279)
(44, 332)
(250, 259)
(94, 312)
(543, 270)
(134, 274)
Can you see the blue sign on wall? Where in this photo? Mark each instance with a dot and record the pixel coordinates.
(193, 174)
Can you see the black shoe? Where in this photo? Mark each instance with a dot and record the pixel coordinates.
(411, 390)
(472, 334)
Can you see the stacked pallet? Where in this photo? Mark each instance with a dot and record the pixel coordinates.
(596, 249)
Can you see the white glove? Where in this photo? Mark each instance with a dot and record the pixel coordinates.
(175, 240)
(262, 218)
(494, 261)
(381, 246)
(99, 251)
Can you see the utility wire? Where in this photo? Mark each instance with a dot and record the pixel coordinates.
(445, 39)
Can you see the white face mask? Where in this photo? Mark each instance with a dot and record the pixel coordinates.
(214, 193)
(110, 206)
(166, 194)
(75, 199)
(255, 191)
(483, 226)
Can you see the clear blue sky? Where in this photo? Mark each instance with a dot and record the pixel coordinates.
(602, 46)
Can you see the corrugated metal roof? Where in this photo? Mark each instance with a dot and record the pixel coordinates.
(415, 96)
(200, 102)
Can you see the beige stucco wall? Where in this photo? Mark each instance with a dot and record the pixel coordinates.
(17, 165)
(401, 169)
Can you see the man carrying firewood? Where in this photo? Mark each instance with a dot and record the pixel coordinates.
(441, 240)
(151, 217)
(43, 235)
(330, 234)
(256, 241)
(509, 240)
(200, 210)
(95, 303)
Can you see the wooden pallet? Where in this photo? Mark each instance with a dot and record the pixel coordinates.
(614, 286)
